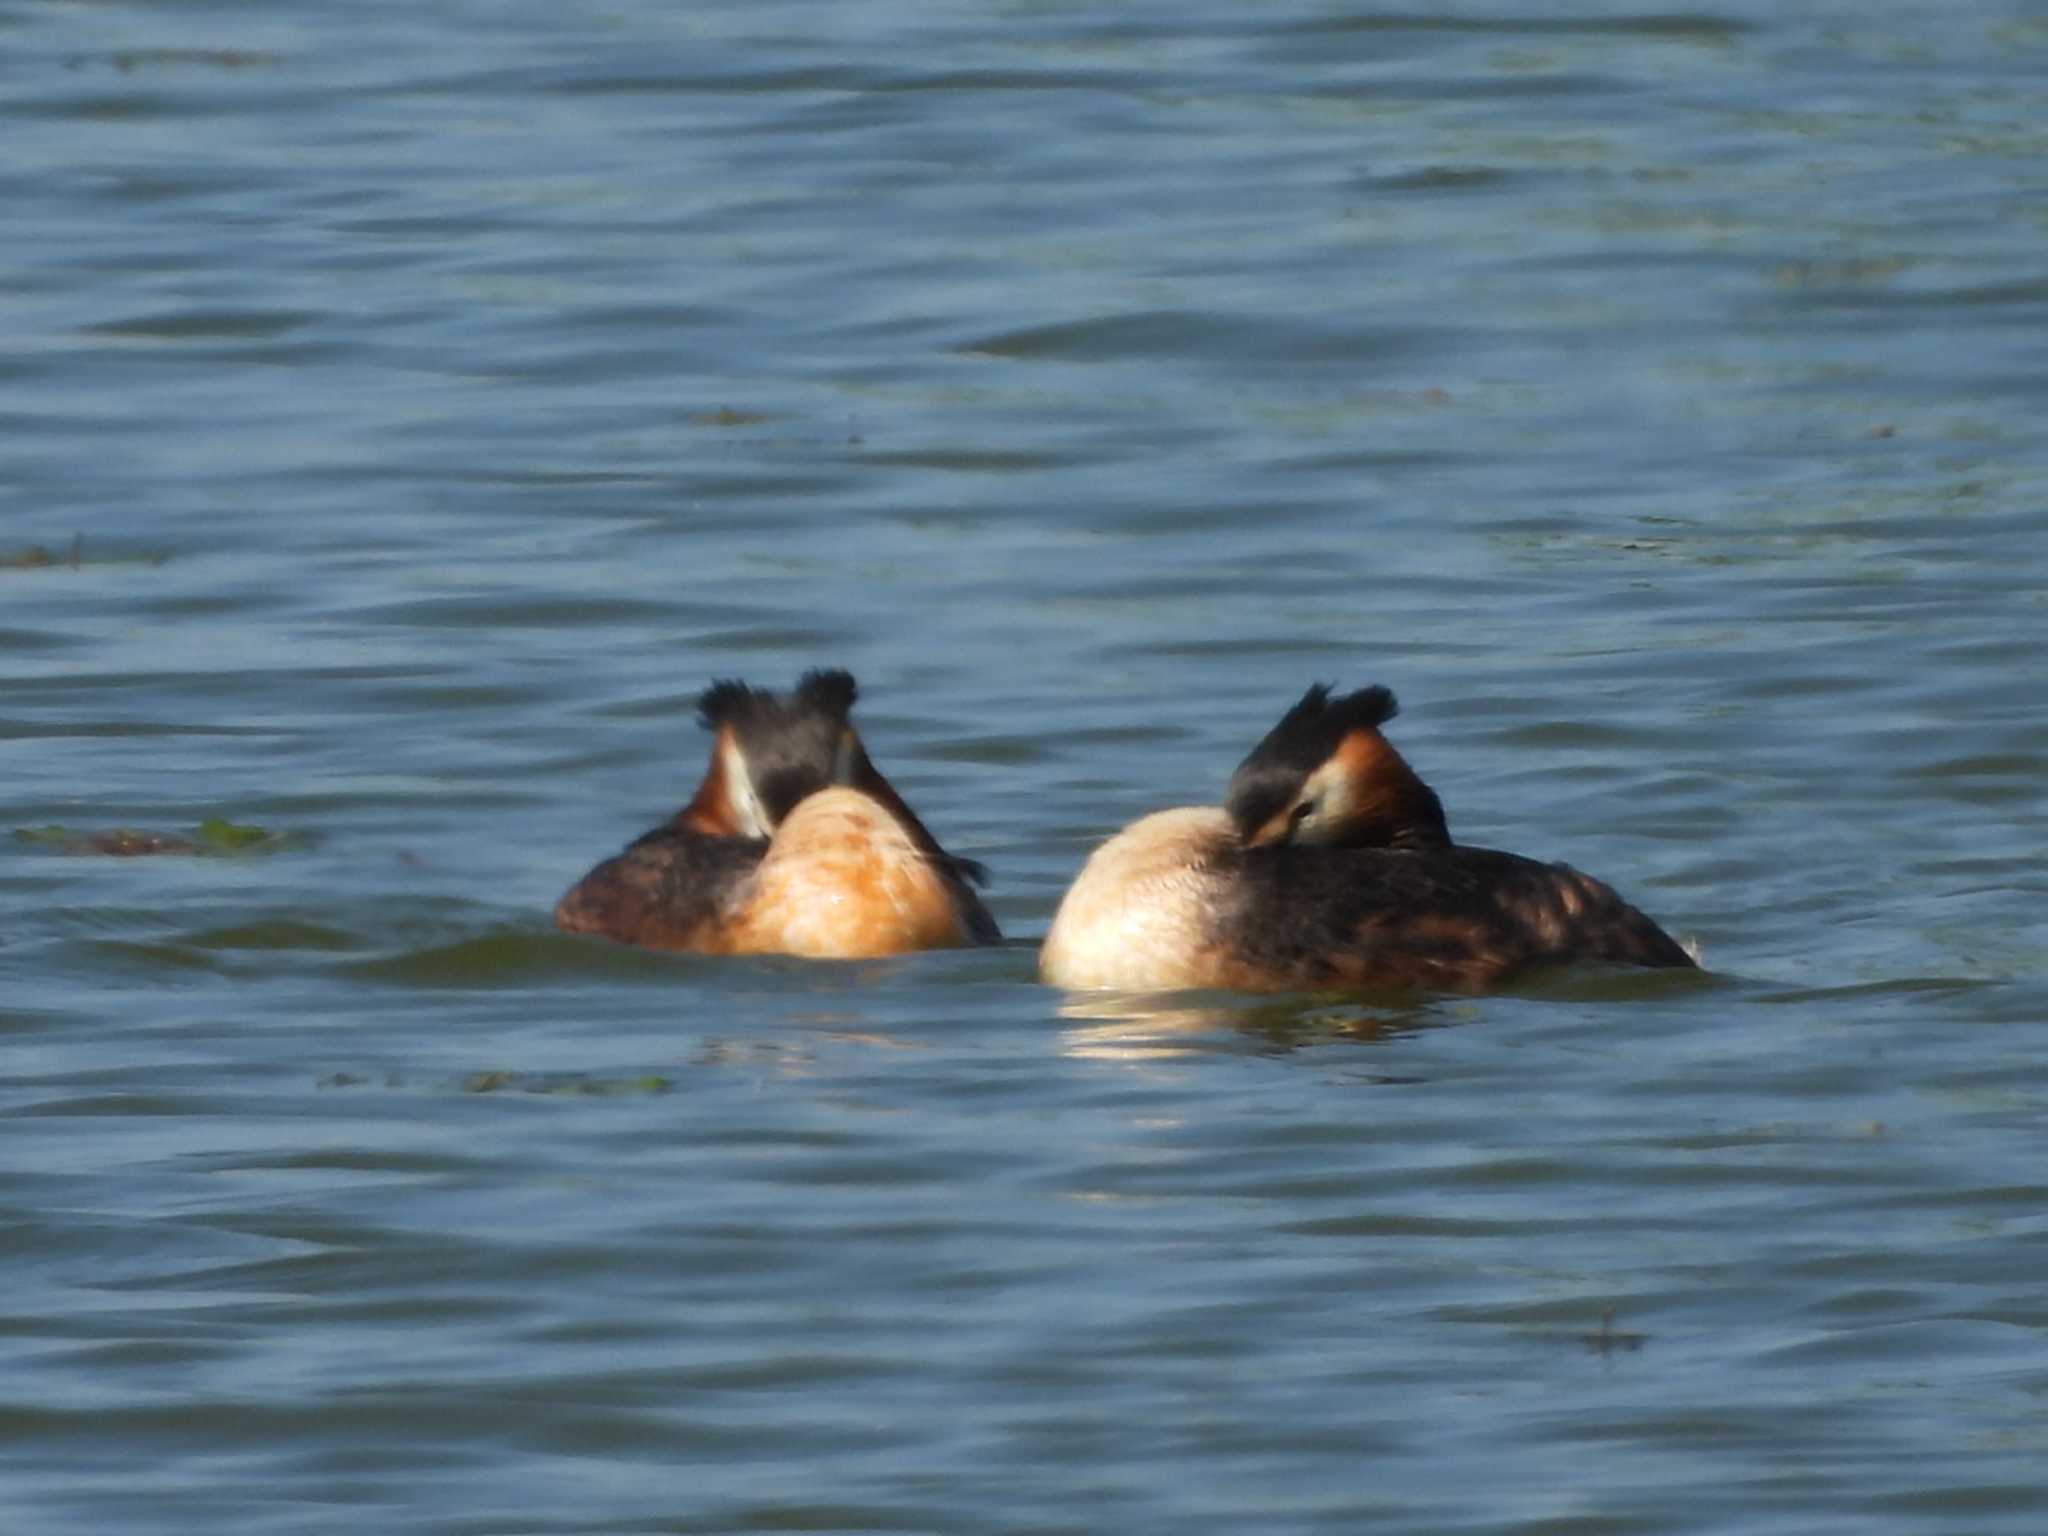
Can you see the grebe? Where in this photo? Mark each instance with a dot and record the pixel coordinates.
(793, 844)
(1329, 866)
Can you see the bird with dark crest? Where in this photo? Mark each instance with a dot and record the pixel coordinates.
(1326, 775)
(1329, 867)
(794, 843)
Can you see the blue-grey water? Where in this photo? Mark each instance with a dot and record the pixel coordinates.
(406, 410)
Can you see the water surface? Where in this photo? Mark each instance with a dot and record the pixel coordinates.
(440, 397)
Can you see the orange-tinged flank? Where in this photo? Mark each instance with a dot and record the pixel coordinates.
(843, 880)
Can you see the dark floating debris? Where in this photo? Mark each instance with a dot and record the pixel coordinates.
(131, 59)
(571, 1084)
(212, 838)
(38, 557)
(726, 416)
(43, 557)
(1608, 1340)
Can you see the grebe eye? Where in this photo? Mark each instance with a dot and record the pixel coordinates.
(1300, 814)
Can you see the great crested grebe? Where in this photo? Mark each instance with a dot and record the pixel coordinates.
(1329, 866)
(793, 844)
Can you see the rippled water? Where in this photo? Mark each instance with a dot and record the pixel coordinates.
(439, 396)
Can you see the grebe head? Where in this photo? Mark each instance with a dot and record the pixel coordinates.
(1325, 774)
(773, 750)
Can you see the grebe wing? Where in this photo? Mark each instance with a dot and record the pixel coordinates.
(667, 889)
(979, 921)
(1458, 918)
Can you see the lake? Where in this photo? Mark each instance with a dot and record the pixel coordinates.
(406, 411)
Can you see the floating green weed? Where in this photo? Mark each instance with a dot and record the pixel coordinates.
(233, 837)
(44, 557)
(39, 557)
(213, 838)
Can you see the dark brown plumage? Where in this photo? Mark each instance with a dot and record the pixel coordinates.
(1456, 919)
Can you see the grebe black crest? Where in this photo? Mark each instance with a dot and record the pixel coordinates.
(774, 751)
(1325, 774)
(1329, 867)
(794, 843)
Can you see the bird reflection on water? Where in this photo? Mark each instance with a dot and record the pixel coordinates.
(1158, 1026)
